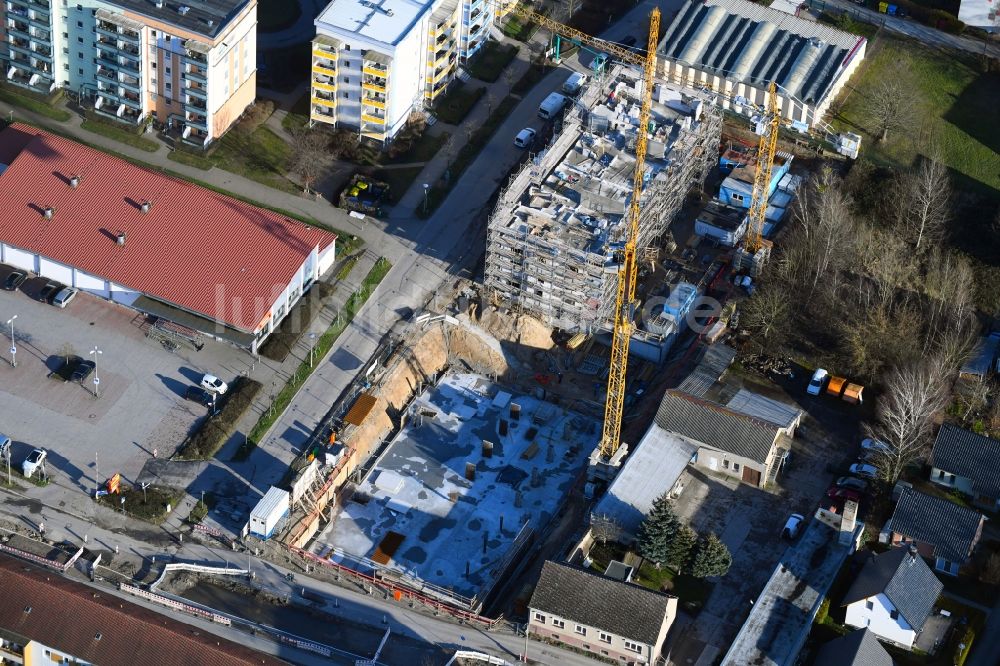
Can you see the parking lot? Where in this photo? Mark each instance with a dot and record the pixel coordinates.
(749, 520)
(140, 407)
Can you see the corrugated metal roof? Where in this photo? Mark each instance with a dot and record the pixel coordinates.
(275, 500)
(360, 410)
(196, 249)
(771, 410)
(745, 41)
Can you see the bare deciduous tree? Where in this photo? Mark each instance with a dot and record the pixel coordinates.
(605, 528)
(891, 103)
(826, 229)
(309, 149)
(924, 203)
(767, 313)
(913, 393)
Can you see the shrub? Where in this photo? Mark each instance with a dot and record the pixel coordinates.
(255, 115)
(963, 644)
(824, 611)
(215, 430)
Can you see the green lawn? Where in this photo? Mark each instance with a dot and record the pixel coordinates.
(190, 159)
(298, 116)
(690, 590)
(423, 149)
(35, 105)
(457, 102)
(260, 155)
(275, 15)
(492, 59)
(149, 505)
(958, 112)
(121, 135)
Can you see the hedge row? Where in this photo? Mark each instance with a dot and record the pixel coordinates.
(215, 430)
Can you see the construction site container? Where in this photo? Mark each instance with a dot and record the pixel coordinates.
(269, 512)
(852, 393)
(836, 386)
(680, 302)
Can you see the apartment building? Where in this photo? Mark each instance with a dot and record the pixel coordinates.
(192, 67)
(376, 61)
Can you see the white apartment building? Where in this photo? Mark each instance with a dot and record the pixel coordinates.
(376, 61)
(193, 67)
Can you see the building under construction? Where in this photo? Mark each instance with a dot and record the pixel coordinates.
(553, 239)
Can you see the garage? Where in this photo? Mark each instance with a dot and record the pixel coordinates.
(92, 285)
(123, 295)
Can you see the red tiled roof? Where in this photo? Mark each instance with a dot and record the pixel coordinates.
(68, 616)
(196, 249)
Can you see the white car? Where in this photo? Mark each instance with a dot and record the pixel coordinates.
(864, 471)
(792, 526)
(869, 444)
(525, 138)
(4, 446)
(64, 296)
(214, 384)
(818, 380)
(33, 462)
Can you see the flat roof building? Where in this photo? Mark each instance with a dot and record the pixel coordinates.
(158, 244)
(738, 48)
(376, 62)
(191, 66)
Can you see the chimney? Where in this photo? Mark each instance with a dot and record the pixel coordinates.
(145, 206)
(120, 239)
(74, 182)
(913, 553)
(49, 212)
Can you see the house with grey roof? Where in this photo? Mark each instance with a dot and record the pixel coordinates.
(969, 463)
(729, 442)
(893, 596)
(940, 529)
(609, 618)
(858, 648)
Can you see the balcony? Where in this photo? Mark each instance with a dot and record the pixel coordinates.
(323, 114)
(196, 120)
(19, 44)
(324, 53)
(195, 104)
(374, 119)
(130, 82)
(195, 89)
(377, 101)
(375, 70)
(325, 67)
(328, 102)
(195, 58)
(19, 29)
(373, 131)
(373, 84)
(31, 78)
(195, 73)
(108, 95)
(326, 85)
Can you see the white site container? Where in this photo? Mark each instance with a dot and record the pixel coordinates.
(270, 510)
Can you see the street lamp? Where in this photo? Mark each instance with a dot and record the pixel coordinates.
(95, 352)
(312, 347)
(426, 190)
(13, 343)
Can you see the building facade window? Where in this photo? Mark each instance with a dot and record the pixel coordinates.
(736, 467)
(894, 614)
(559, 624)
(633, 647)
(605, 638)
(539, 618)
(869, 604)
(725, 464)
(580, 629)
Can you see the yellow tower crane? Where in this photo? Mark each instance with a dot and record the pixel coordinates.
(628, 271)
(762, 175)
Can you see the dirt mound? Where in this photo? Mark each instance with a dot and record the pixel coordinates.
(522, 330)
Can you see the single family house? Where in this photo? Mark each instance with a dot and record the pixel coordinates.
(969, 463)
(941, 530)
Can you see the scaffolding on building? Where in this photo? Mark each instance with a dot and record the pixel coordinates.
(553, 237)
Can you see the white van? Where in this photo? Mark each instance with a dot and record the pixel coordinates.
(551, 106)
(574, 83)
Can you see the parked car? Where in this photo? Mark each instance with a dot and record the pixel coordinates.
(33, 462)
(792, 526)
(49, 291)
(869, 444)
(864, 471)
(82, 371)
(14, 280)
(869, 456)
(816, 383)
(214, 384)
(853, 483)
(524, 138)
(842, 494)
(4, 446)
(64, 296)
(199, 395)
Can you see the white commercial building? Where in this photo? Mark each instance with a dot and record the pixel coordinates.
(737, 48)
(374, 62)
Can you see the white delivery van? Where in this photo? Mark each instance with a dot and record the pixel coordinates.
(551, 106)
(574, 83)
